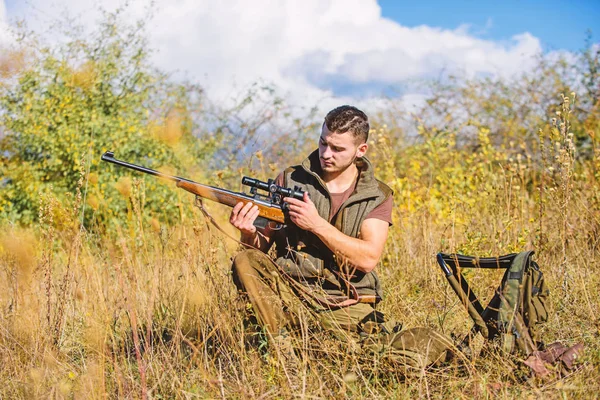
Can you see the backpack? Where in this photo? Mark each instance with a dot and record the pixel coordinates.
(514, 316)
(521, 304)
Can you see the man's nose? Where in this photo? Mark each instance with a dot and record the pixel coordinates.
(326, 152)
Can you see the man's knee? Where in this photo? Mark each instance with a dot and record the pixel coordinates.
(247, 264)
(247, 260)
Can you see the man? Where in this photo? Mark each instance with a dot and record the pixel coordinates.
(327, 255)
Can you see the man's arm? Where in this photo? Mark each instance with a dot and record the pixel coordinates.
(242, 217)
(363, 252)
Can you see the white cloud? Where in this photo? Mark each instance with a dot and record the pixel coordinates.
(311, 49)
(5, 37)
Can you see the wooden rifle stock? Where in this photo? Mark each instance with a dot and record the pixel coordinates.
(265, 210)
(269, 207)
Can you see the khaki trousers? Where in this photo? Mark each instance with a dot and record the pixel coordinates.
(278, 307)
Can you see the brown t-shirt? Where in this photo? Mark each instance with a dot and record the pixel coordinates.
(382, 211)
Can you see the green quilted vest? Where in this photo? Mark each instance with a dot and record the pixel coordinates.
(303, 255)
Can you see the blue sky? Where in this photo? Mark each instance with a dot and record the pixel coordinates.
(558, 24)
(332, 51)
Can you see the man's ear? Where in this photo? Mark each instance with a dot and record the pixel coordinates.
(361, 149)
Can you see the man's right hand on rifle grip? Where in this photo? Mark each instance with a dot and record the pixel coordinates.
(243, 217)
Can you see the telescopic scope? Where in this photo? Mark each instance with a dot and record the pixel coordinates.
(272, 188)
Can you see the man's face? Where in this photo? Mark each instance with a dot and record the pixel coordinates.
(337, 151)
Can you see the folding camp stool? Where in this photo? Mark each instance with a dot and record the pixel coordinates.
(486, 319)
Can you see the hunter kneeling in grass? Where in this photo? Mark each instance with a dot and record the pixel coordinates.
(328, 251)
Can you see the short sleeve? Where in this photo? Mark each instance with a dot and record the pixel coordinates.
(383, 211)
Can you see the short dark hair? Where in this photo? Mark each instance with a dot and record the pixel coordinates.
(347, 118)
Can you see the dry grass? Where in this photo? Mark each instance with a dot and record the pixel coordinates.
(150, 310)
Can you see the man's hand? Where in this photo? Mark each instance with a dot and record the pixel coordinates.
(363, 252)
(304, 214)
(243, 217)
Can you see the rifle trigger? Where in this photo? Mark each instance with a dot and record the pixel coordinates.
(261, 222)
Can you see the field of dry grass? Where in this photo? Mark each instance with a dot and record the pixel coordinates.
(149, 309)
(115, 286)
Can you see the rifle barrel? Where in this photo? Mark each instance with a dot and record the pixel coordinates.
(110, 157)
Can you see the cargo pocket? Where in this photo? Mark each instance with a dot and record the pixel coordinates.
(306, 266)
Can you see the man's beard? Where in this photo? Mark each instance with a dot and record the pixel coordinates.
(335, 168)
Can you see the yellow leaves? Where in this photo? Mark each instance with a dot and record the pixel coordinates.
(124, 186)
(93, 202)
(155, 225)
(170, 130)
(85, 76)
(173, 131)
(442, 181)
(56, 111)
(19, 246)
(93, 178)
(415, 166)
(167, 169)
(155, 129)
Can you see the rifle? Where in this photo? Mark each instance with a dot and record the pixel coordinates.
(271, 207)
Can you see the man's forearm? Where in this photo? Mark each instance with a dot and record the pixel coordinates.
(355, 252)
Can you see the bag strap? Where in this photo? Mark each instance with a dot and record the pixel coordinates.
(511, 307)
(519, 266)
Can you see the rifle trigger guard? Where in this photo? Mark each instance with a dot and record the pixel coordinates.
(275, 226)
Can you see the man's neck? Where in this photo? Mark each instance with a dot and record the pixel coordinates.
(341, 181)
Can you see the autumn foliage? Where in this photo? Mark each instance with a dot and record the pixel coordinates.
(114, 285)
